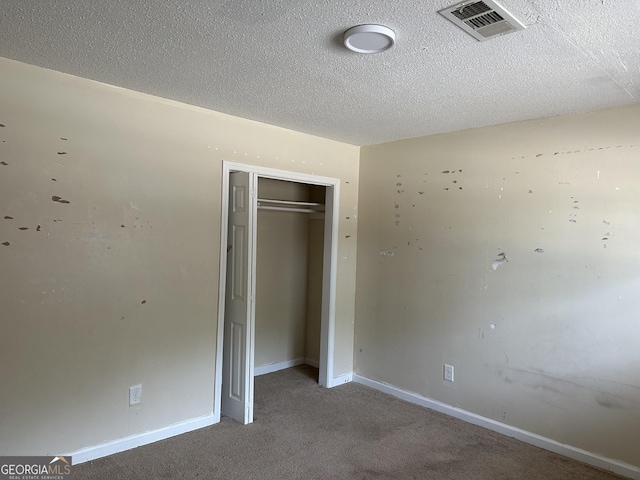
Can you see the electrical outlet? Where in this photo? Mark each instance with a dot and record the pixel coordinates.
(448, 372)
(135, 395)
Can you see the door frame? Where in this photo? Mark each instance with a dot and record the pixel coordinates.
(329, 271)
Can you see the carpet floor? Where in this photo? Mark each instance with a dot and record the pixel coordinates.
(302, 431)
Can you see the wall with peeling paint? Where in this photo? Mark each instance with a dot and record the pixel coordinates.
(109, 243)
(515, 259)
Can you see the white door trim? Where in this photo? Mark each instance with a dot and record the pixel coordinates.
(330, 264)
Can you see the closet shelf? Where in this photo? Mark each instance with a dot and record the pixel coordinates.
(290, 205)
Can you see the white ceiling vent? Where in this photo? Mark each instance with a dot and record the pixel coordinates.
(483, 20)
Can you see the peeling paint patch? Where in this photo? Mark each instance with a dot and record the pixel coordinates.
(58, 199)
(502, 258)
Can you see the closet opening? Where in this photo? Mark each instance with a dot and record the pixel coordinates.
(290, 246)
(278, 269)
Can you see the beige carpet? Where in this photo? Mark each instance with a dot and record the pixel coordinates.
(302, 431)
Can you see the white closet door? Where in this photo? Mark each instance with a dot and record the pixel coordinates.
(237, 374)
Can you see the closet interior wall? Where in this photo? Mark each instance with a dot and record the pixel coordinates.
(288, 277)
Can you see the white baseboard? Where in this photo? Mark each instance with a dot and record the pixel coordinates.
(274, 367)
(311, 362)
(605, 463)
(133, 441)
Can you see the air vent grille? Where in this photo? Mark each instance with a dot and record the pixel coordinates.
(482, 20)
(472, 10)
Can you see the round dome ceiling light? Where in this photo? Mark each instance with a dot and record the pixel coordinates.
(369, 39)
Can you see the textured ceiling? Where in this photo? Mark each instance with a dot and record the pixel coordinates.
(282, 61)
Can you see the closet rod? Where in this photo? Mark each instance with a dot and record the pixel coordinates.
(288, 209)
(294, 203)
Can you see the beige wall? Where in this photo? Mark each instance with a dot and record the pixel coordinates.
(547, 342)
(120, 285)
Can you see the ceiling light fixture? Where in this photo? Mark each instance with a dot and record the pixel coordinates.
(369, 39)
